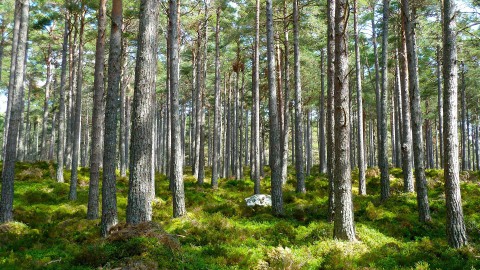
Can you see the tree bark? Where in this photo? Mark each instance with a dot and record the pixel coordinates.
(109, 191)
(97, 115)
(275, 155)
(383, 140)
(78, 112)
(330, 106)
(456, 232)
(418, 153)
(18, 60)
(139, 207)
(256, 104)
(299, 161)
(362, 186)
(343, 225)
(176, 150)
(216, 121)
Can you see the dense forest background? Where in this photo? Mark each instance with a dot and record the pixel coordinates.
(133, 132)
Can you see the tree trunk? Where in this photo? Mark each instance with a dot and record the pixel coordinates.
(176, 150)
(275, 154)
(383, 139)
(299, 161)
(139, 208)
(440, 103)
(216, 121)
(78, 112)
(330, 106)
(343, 225)
(321, 121)
(464, 119)
(18, 57)
(456, 232)
(418, 154)
(97, 115)
(362, 186)
(109, 192)
(256, 104)
(407, 159)
(43, 140)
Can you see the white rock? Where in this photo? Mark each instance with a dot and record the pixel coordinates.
(260, 200)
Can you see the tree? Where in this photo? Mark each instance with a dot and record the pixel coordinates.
(139, 207)
(420, 179)
(343, 225)
(331, 106)
(216, 121)
(61, 102)
(383, 140)
(275, 155)
(299, 162)
(77, 112)
(362, 189)
(97, 117)
(256, 103)
(18, 59)
(456, 232)
(109, 191)
(177, 159)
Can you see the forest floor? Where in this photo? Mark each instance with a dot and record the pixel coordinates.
(221, 232)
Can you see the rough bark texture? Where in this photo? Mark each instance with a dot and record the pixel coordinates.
(343, 225)
(330, 106)
(139, 208)
(362, 186)
(321, 123)
(109, 191)
(176, 168)
(275, 155)
(407, 159)
(61, 106)
(456, 232)
(78, 113)
(256, 104)
(418, 153)
(383, 139)
(216, 121)
(97, 115)
(299, 160)
(18, 57)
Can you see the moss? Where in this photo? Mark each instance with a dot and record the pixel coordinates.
(220, 232)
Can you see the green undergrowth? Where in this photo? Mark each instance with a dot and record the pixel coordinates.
(220, 232)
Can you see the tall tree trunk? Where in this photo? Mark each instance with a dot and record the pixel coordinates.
(97, 115)
(407, 159)
(331, 106)
(123, 121)
(139, 207)
(176, 150)
(109, 192)
(18, 59)
(321, 121)
(275, 155)
(464, 119)
(456, 232)
(216, 121)
(78, 112)
(343, 225)
(43, 141)
(383, 140)
(299, 161)
(256, 103)
(362, 186)
(440, 103)
(418, 154)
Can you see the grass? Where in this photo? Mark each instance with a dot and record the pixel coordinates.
(220, 232)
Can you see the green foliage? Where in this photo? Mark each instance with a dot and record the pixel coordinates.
(221, 232)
